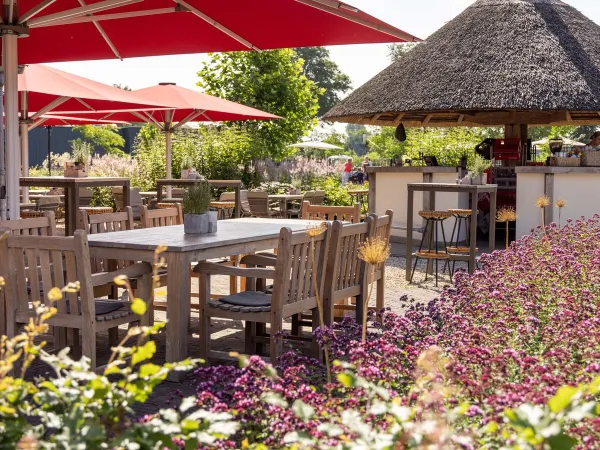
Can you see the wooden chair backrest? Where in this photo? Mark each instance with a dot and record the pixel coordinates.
(244, 202)
(346, 272)
(382, 227)
(227, 197)
(318, 198)
(259, 203)
(135, 199)
(36, 264)
(85, 197)
(320, 212)
(308, 196)
(106, 223)
(152, 218)
(48, 203)
(293, 286)
(36, 226)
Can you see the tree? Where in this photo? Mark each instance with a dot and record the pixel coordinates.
(318, 67)
(356, 138)
(272, 81)
(104, 136)
(397, 51)
(122, 86)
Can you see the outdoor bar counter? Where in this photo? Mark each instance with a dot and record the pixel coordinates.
(388, 190)
(577, 185)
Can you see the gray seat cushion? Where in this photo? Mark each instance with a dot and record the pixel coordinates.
(248, 298)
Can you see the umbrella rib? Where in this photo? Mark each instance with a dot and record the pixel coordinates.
(37, 123)
(148, 119)
(80, 11)
(35, 11)
(49, 107)
(85, 104)
(217, 25)
(104, 35)
(114, 16)
(319, 4)
(189, 118)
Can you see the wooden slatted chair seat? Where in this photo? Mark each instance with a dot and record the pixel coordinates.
(293, 292)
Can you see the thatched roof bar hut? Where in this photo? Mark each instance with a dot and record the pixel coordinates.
(499, 62)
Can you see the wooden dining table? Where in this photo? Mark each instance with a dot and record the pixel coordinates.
(233, 237)
(71, 185)
(283, 200)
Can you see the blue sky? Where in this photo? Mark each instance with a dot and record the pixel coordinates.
(361, 62)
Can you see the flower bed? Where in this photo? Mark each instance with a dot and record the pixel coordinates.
(511, 334)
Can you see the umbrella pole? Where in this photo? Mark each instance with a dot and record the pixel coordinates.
(49, 130)
(11, 104)
(24, 143)
(3, 206)
(168, 134)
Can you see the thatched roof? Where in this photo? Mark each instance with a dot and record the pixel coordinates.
(498, 62)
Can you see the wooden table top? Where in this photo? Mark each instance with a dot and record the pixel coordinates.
(452, 187)
(286, 196)
(58, 181)
(185, 181)
(148, 194)
(229, 232)
(359, 192)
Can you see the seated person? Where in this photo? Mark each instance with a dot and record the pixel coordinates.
(360, 176)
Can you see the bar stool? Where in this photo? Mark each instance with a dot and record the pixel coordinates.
(462, 218)
(433, 219)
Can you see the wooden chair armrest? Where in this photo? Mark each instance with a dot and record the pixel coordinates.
(133, 271)
(259, 260)
(218, 269)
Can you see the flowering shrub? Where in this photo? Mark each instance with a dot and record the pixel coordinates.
(509, 359)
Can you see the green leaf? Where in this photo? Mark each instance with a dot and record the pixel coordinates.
(561, 442)
(144, 352)
(562, 399)
(138, 306)
(346, 379)
(147, 370)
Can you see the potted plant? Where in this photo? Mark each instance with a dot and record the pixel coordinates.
(81, 152)
(187, 165)
(197, 217)
(477, 170)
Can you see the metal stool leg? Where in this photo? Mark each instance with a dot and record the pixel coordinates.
(420, 248)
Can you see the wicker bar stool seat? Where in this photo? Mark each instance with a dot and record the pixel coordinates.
(97, 210)
(434, 220)
(462, 218)
(225, 209)
(32, 214)
(165, 205)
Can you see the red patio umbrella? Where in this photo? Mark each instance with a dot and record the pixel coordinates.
(189, 106)
(45, 89)
(72, 30)
(66, 121)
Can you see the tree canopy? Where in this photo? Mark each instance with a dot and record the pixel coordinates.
(272, 81)
(319, 67)
(104, 136)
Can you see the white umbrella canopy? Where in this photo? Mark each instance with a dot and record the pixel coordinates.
(316, 145)
(566, 141)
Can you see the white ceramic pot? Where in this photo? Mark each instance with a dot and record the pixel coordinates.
(200, 223)
(478, 180)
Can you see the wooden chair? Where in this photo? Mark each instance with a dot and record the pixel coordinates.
(295, 210)
(85, 197)
(135, 200)
(259, 205)
(63, 260)
(342, 213)
(37, 226)
(293, 292)
(382, 229)
(319, 198)
(345, 275)
(246, 212)
(152, 218)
